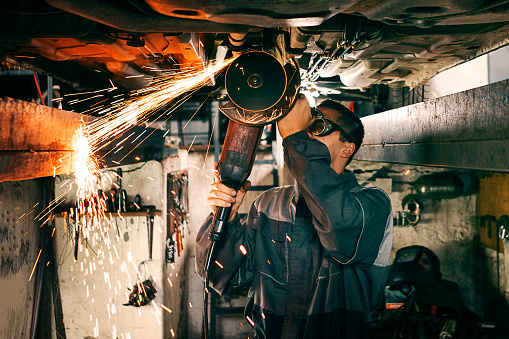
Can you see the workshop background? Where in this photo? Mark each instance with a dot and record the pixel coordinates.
(452, 212)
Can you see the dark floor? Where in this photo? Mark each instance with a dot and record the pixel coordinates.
(386, 324)
(425, 324)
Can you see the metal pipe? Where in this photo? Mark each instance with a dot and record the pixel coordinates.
(126, 20)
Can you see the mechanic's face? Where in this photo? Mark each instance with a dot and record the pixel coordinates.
(332, 140)
(330, 116)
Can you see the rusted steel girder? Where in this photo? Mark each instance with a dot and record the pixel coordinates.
(37, 141)
(467, 130)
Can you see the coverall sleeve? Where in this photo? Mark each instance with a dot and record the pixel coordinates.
(230, 267)
(350, 222)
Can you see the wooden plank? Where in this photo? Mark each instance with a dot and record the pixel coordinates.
(123, 214)
(20, 244)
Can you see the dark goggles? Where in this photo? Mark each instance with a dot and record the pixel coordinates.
(321, 127)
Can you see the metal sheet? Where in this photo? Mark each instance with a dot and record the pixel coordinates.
(467, 130)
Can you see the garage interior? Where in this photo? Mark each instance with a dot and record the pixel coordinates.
(441, 153)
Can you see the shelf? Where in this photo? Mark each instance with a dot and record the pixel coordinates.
(123, 215)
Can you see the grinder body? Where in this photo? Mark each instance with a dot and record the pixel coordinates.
(237, 156)
(234, 166)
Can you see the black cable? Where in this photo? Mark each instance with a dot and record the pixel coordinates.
(218, 228)
(498, 259)
(88, 244)
(205, 307)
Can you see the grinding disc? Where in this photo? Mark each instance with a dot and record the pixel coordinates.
(255, 81)
(291, 90)
(267, 116)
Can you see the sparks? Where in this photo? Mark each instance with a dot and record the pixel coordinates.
(35, 265)
(125, 114)
(169, 89)
(166, 309)
(86, 165)
(243, 249)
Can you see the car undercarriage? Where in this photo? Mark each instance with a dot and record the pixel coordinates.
(346, 48)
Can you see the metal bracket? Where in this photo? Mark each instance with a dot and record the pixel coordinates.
(486, 221)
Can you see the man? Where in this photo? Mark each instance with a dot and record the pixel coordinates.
(317, 253)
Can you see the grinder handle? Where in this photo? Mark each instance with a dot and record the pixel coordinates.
(218, 227)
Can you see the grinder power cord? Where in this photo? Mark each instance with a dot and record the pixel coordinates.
(261, 90)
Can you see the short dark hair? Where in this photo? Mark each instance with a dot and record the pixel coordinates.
(349, 121)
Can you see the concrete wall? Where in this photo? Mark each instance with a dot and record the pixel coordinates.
(20, 234)
(95, 287)
(447, 226)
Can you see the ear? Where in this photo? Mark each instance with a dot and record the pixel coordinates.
(348, 149)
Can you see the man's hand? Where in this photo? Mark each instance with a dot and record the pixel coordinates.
(221, 195)
(298, 119)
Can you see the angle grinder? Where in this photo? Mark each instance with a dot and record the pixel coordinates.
(261, 90)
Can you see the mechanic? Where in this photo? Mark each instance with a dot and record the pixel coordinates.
(317, 253)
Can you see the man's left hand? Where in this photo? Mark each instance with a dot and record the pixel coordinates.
(298, 119)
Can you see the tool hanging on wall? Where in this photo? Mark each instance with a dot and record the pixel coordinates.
(170, 250)
(122, 196)
(503, 227)
(441, 185)
(180, 245)
(76, 237)
(150, 232)
(177, 214)
(141, 294)
(139, 206)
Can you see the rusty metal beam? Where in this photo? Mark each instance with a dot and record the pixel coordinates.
(37, 141)
(467, 130)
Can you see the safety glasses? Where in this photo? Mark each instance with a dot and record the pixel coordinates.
(321, 127)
